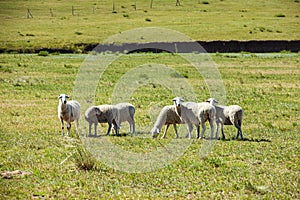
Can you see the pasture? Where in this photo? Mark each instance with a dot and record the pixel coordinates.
(263, 166)
(54, 25)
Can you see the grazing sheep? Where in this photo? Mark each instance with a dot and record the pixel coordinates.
(166, 116)
(109, 114)
(91, 118)
(126, 113)
(68, 111)
(228, 115)
(195, 113)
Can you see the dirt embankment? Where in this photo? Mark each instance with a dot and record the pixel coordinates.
(254, 46)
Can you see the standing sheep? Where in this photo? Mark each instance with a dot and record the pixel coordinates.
(109, 114)
(195, 113)
(166, 116)
(228, 115)
(91, 117)
(68, 111)
(126, 113)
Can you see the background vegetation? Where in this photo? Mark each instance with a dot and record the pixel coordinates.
(52, 24)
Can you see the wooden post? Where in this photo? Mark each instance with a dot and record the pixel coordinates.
(29, 15)
(73, 11)
(135, 5)
(113, 7)
(151, 2)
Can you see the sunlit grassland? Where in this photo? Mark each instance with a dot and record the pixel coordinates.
(264, 166)
(94, 21)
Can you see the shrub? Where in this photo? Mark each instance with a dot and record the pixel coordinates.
(78, 33)
(43, 53)
(205, 2)
(280, 15)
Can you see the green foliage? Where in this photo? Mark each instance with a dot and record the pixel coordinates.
(43, 53)
(280, 15)
(223, 21)
(204, 2)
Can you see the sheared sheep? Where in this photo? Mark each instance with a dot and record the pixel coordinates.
(166, 116)
(126, 113)
(195, 113)
(91, 118)
(228, 115)
(109, 114)
(68, 111)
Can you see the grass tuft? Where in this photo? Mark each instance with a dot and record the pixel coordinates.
(83, 159)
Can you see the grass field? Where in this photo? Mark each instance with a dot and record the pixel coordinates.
(264, 166)
(54, 26)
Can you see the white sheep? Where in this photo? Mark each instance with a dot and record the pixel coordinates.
(228, 115)
(68, 111)
(193, 113)
(91, 118)
(126, 113)
(166, 117)
(109, 114)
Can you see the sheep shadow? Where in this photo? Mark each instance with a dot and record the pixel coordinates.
(245, 140)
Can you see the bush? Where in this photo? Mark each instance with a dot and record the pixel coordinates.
(280, 15)
(205, 2)
(43, 53)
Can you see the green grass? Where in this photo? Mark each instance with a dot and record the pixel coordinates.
(264, 166)
(94, 21)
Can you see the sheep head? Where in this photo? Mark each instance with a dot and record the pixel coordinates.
(177, 101)
(63, 98)
(155, 132)
(212, 101)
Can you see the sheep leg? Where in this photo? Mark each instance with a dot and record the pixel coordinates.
(68, 128)
(132, 125)
(109, 128)
(116, 127)
(198, 131)
(217, 130)
(190, 129)
(165, 132)
(239, 132)
(95, 128)
(203, 130)
(176, 132)
(62, 126)
(212, 130)
(222, 129)
(90, 129)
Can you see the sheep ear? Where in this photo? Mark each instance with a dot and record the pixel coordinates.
(67, 96)
(59, 97)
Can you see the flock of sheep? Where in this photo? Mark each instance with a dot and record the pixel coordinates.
(190, 113)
